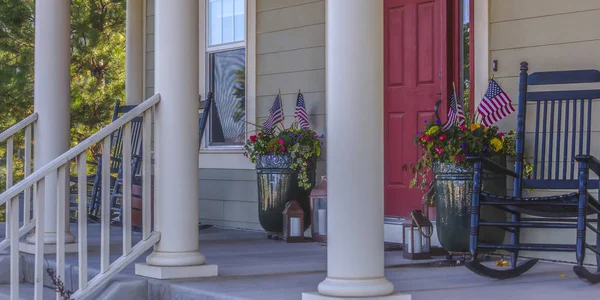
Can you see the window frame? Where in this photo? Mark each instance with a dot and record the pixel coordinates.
(208, 50)
(457, 49)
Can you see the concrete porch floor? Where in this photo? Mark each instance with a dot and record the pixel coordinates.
(253, 267)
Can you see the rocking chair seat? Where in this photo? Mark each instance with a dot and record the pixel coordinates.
(550, 206)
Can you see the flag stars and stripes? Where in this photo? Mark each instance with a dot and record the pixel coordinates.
(300, 112)
(275, 114)
(455, 113)
(495, 104)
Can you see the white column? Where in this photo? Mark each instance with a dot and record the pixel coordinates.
(52, 102)
(134, 52)
(176, 121)
(355, 253)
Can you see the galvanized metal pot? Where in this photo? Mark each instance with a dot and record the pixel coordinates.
(453, 193)
(278, 184)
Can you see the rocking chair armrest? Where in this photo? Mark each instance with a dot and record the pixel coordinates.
(592, 162)
(489, 165)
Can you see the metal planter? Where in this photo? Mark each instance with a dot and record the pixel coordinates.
(278, 184)
(453, 193)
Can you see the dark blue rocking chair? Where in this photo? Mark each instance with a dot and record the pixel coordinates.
(561, 160)
(116, 157)
(204, 118)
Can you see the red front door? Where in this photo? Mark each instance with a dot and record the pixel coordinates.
(415, 78)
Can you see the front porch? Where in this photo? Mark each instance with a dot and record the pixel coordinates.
(253, 267)
(354, 263)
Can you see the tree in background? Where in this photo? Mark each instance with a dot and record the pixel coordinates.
(97, 66)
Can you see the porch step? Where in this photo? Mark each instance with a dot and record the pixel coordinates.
(25, 292)
(135, 287)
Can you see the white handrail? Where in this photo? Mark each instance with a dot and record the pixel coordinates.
(75, 151)
(18, 127)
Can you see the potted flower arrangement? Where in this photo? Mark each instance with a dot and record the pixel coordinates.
(285, 161)
(444, 153)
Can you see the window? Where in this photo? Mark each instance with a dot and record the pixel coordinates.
(464, 32)
(226, 74)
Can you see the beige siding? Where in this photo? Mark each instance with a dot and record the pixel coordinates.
(229, 198)
(549, 35)
(290, 45)
(149, 48)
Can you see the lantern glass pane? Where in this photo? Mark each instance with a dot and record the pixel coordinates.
(295, 227)
(320, 215)
(426, 242)
(407, 240)
(285, 226)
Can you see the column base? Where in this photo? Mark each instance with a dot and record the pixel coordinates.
(50, 238)
(375, 287)
(176, 259)
(159, 272)
(48, 248)
(317, 296)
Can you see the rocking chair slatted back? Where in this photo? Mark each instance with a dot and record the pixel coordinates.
(117, 139)
(563, 123)
(116, 157)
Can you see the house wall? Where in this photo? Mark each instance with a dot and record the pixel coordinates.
(290, 56)
(549, 35)
(149, 80)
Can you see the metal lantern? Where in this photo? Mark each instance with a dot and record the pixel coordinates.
(293, 222)
(318, 211)
(416, 236)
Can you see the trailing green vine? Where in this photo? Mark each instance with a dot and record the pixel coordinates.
(302, 145)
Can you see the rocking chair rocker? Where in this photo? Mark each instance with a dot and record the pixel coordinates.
(561, 160)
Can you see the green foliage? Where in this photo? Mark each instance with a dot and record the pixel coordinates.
(455, 145)
(97, 66)
(303, 145)
(240, 93)
(97, 62)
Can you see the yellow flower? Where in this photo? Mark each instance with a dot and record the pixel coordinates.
(433, 130)
(496, 144)
(485, 129)
(475, 126)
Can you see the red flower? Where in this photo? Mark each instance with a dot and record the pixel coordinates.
(463, 128)
(281, 142)
(439, 150)
(500, 134)
(442, 137)
(253, 138)
(282, 149)
(259, 134)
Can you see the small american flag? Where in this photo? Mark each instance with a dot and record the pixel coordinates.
(495, 105)
(300, 113)
(275, 114)
(455, 114)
